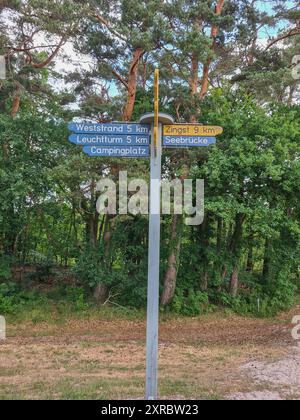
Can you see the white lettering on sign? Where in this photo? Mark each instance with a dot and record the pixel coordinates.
(168, 140)
(111, 128)
(122, 152)
(110, 140)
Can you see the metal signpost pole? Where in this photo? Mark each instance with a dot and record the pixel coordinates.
(153, 271)
(154, 253)
(157, 120)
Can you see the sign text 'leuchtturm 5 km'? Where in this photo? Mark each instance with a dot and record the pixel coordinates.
(110, 139)
(124, 140)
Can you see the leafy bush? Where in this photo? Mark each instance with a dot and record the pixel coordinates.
(5, 267)
(9, 299)
(7, 305)
(92, 269)
(191, 303)
(260, 301)
(44, 272)
(77, 297)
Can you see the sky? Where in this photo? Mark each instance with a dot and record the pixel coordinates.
(265, 6)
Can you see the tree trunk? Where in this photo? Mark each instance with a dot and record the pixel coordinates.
(219, 235)
(266, 266)
(92, 224)
(205, 80)
(14, 111)
(101, 290)
(171, 274)
(223, 276)
(194, 82)
(205, 282)
(206, 67)
(5, 148)
(194, 79)
(234, 282)
(176, 237)
(101, 293)
(132, 84)
(235, 246)
(15, 106)
(250, 261)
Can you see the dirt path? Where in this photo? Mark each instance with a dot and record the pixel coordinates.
(212, 357)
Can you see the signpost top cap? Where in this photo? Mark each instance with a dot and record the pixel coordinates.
(162, 118)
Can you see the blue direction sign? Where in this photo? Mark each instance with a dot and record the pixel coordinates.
(110, 140)
(188, 141)
(111, 128)
(118, 151)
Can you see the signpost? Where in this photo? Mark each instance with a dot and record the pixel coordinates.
(132, 140)
(154, 246)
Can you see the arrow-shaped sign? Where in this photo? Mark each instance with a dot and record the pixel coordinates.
(109, 140)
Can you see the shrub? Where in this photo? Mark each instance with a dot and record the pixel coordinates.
(5, 267)
(190, 303)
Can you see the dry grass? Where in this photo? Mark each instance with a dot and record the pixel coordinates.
(199, 358)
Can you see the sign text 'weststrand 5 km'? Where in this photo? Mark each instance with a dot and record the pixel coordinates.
(110, 128)
(124, 140)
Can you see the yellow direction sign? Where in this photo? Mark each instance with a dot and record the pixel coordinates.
(192, 130)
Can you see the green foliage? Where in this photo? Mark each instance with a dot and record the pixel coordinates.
(92, 269)
(48, 191)
(12, 298)
(190, 303)
(5, 267)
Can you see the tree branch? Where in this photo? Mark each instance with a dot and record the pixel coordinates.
(120, 78)
(214, 34)
(107, 25)
(50, 58)
(24, 49)
(292, 32)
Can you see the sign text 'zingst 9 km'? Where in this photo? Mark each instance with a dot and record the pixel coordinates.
(192, 130)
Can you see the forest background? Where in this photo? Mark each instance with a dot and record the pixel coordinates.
(231, 63)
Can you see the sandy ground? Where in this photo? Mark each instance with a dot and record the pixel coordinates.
(213, 357)
(281, 378)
